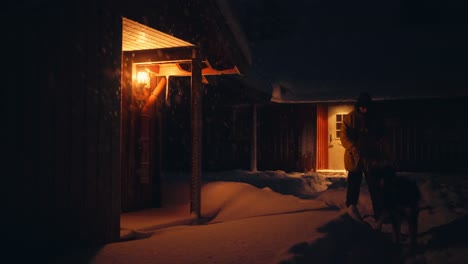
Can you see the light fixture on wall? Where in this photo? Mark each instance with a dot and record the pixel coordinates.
(141, 85)
(143, 79)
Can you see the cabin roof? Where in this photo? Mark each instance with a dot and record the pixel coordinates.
(136, 36)
(335, 92)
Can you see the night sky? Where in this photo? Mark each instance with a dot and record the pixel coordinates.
(356, 42)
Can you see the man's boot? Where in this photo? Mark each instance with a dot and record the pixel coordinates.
(353, 212)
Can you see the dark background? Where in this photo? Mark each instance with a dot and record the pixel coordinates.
(390, 44)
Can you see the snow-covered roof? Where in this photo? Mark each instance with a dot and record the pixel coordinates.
(285, 92)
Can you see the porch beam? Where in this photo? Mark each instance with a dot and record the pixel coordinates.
(196, 116)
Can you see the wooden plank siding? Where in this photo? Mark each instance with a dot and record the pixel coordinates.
(427, 134)
(62, 111)
(286, 138)
(64, 126)
(128, 132)
(415, 151)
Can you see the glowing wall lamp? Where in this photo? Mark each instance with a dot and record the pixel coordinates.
(143, 79)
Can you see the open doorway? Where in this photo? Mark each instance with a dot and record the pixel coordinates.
(156, 134)
(161, 137)
(150, 60)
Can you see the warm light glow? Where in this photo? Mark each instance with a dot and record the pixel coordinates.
(143, 78)
(136, 36)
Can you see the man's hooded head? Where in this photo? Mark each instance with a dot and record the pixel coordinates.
(364, 100)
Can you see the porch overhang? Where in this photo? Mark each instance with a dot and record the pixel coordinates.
(144, 41)
(145, 45)
(136, 36)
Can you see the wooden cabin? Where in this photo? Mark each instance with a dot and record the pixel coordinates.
(74, 128)
(426, 133)
(82, 129)
(302, 134)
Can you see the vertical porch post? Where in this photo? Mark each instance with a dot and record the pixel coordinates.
(253, 148)
(196, 116)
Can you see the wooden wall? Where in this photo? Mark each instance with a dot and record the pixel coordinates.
(429, 134)
(61, 114)
(226, 134)
(286, 137)
(426, 135)
(61, 118)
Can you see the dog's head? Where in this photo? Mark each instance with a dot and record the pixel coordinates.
(401, 189)
(383, 171)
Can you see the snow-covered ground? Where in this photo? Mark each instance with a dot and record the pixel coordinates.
(278, 217)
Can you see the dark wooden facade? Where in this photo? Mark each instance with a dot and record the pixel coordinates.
(61, 109)
(62, 112)
(286, 136)
(227, 124)
(427, 134)
(61, 104)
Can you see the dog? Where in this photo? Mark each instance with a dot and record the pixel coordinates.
(396, 200)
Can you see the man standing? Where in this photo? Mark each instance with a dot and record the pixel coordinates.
(360, 133)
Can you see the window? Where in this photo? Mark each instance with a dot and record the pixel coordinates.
(338, 122)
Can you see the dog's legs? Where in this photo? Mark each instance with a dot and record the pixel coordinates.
(396, 224)
(379, 222)
(413, 226)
